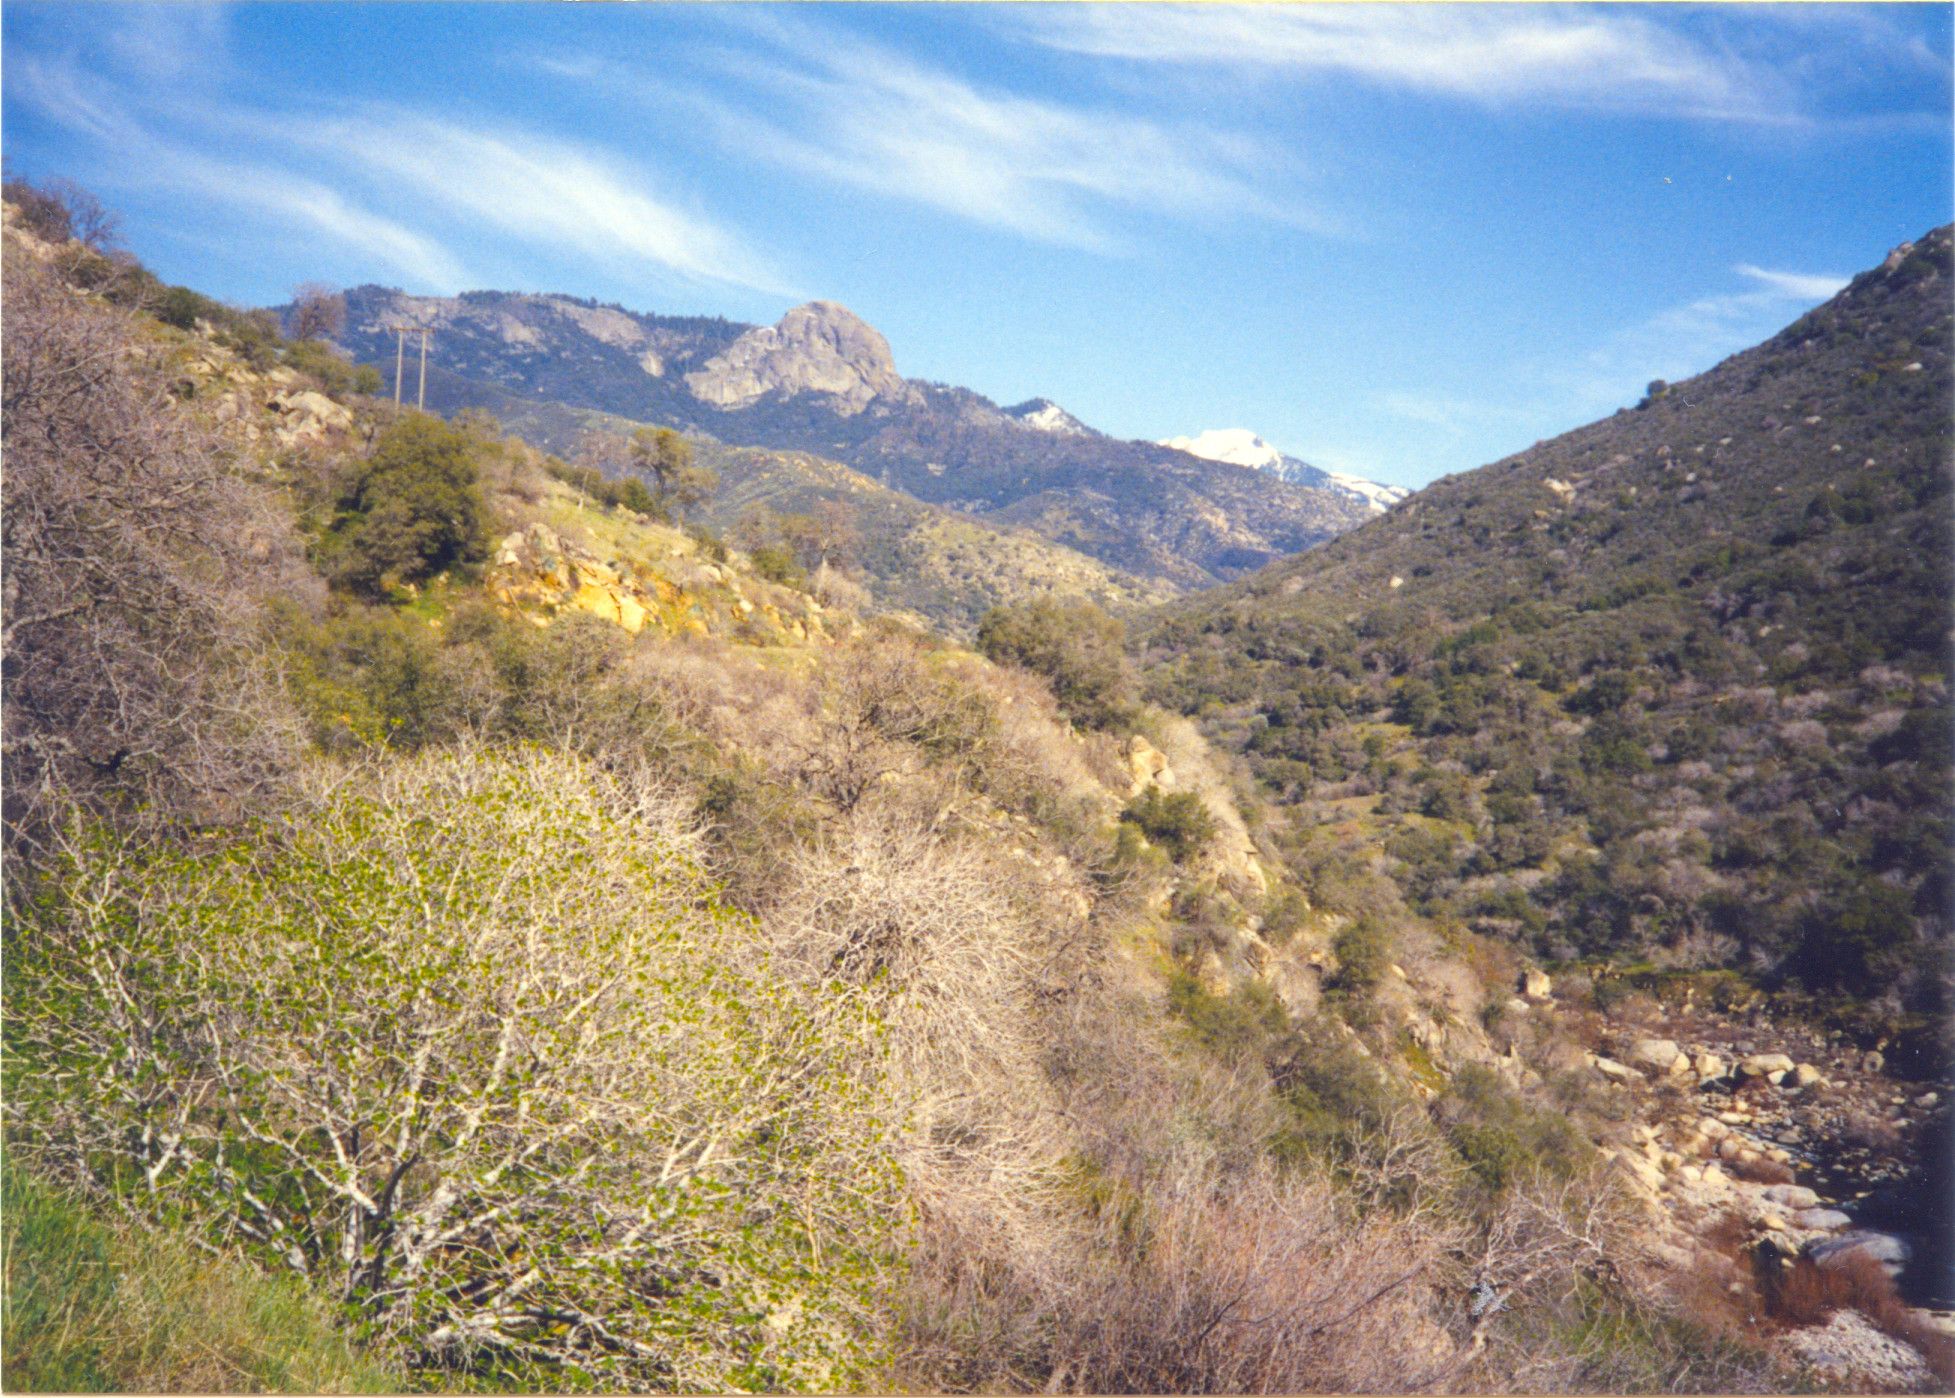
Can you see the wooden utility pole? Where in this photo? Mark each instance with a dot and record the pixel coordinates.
(401, 332)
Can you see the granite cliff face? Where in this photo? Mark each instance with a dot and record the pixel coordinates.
(821, 348)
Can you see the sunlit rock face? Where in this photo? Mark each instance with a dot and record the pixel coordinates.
(820, 348)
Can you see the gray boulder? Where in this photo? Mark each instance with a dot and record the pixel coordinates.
(1616, 1072)
(1658, 1055)
(1886, 1249)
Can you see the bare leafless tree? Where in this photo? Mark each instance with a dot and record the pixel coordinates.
(318, 312)
(128, 555)
(90, 222)
(879, 709)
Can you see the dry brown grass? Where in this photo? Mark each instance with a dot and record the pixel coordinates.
(1722, 1292)
(1256, 1285)
(1807, 1293)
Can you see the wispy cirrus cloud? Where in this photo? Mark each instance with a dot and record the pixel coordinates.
(175, 43)
(1453, 415)
(382, 183)
(1677, 342)
(269, 189)
(538, 189)
(1793, 286)
(839, 108)
(1687, 339)
(1491, 54)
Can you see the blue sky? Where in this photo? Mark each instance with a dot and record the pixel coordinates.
(1398, 240)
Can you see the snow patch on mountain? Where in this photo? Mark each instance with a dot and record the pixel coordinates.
(1044, 415)
(1240, 447)
(1382, 497)
(1236, 445)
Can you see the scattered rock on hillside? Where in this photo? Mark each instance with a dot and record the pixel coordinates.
(307, 417)
(1149, 766)
(1848, 1346)
(539, 570)
(1658, 1055)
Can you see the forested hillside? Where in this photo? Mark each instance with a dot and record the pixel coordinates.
(944, 566)
(1672, 687)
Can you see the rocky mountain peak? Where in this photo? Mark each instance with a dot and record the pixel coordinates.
(821, 347)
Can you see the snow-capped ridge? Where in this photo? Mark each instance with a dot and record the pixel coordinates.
(1382, 497)
(1238, 446)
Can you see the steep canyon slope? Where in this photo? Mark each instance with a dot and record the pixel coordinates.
(1671, 686)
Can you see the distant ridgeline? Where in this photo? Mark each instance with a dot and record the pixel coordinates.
(823, 382)
(1673, 685)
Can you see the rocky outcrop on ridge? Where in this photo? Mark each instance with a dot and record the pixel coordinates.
(821, 348)
(545, 573)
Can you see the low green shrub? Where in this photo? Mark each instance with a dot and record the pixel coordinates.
(367, 676)
(1178, 821)
(411, 510)
(1075, 645)
(1504, 1139)
(469, 1043)
(1285, 912)
(1363, 954)
(338, 377)
(1243, 1021)
(777, 564)
(629, 492)
(1336, 1097)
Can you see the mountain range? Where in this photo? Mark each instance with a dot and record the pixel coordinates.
(823, 381)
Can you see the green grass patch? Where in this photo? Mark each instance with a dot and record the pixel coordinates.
(92, 1306)
(1420, 1062)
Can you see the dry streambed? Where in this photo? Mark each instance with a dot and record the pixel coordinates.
(1791, 1151)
